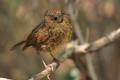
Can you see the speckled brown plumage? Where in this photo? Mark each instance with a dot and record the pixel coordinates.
(51, 34)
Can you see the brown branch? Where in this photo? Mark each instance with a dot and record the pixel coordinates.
(100, 43)
(79, 49)
(51, 68)
(82, 49)
(54, 65)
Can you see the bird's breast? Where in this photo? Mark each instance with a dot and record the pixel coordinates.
(58, 37)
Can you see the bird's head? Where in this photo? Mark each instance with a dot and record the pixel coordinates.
(55, 16)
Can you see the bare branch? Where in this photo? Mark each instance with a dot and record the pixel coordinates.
(78, 49)
(51, 68)
(83, 49)
(99, 44)
(54, 65)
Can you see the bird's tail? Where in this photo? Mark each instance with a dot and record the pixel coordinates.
(17, 45)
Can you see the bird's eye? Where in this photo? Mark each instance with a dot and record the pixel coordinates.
(55, 18)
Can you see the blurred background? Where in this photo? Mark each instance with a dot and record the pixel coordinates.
(19, 17)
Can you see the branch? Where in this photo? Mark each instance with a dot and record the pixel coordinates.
(51, 68)
(100, 43)
(54, 65)
(78, 49)
(81, 49)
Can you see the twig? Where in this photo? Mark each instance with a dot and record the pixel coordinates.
(100, 43)
(87, 48)
(51, 68)
(54, 65)
(106, 40)
(74, 48)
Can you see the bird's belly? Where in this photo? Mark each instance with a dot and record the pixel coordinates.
(56, 42)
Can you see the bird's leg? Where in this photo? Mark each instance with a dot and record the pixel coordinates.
(55, 59)
(45, 65)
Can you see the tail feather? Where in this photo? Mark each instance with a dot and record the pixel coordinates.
(17, 45)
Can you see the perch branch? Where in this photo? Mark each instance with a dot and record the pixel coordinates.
(54, 65)
(83, 49)
(78, 49)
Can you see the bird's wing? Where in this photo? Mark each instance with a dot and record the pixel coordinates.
(37, 36)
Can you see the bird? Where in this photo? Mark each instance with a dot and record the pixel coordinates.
(51, 34)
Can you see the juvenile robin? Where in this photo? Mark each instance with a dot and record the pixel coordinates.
(51, 34)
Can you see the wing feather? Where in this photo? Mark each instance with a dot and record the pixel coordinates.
(37, 36)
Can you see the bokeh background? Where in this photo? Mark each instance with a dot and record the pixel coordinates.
(19, 17)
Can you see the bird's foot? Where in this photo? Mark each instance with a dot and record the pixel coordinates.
(46, 66)
(56, 60)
